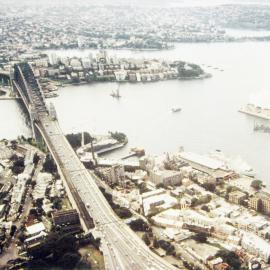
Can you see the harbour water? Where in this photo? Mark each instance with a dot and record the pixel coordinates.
(209, 118)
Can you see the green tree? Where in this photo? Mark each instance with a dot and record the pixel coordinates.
(69, 260)
(200, 237)
(146, 239)
(256, 184)
(230, 258)
(155, 243)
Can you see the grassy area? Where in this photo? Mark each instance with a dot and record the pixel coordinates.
(93, 256)
(66, 205)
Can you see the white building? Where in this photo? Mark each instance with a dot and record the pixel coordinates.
(120, 75)
(165, 177)
(42, 183)
(117, 174)
(156, 203)
(256, 245)
(17, 196)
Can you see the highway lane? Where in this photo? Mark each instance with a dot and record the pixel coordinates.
(122, 248)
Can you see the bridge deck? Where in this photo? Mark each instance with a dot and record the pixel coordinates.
(122, 248)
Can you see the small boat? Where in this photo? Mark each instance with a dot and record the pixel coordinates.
(261, 127)
(174, 110)
(116, 94)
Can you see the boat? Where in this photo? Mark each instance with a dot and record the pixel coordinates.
(261, 127)
(116, 94)
(174, 110)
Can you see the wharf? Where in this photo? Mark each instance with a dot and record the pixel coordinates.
(109, 149)
(7, 94)
(256, 111)
(259, 114)
(128, 164)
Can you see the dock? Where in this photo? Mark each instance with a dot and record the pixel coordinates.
(7, 94)
(135, 152)
(260, 113)
(109, 149)
(128, 164)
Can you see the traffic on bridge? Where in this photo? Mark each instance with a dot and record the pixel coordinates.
(122, 248)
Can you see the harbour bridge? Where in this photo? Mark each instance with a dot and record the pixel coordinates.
(122, 248)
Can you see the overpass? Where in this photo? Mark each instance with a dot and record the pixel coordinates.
(122, 248)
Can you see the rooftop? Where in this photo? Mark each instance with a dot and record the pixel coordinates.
(36, 228)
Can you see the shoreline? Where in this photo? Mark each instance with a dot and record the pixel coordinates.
(258, 115)
(63, 85)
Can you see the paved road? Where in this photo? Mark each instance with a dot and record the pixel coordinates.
(122, 248)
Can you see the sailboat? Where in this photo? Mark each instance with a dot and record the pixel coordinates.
(116, 94)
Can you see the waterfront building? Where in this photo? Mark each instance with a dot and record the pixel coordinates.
(53, 59)
(237, 197)
(261, 202)
(165, 177)
(120, 75)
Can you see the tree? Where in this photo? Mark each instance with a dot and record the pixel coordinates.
(205, 208)
(155, 243)
(13, 230)
(36, 159)
(57, 203)
(139, 225)
(209, 186)
(230, 258)
(167, 246)
(18, 164)
(194, 202)
(49, 165)
(200, 237)
(143, 188)
(119, 136)
(38, 264)
(69, 260)
(84, 265)
(160, 185)
(256, 184)
(123, 212)
(146, 239)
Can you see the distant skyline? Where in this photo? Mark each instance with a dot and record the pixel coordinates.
(168, 3)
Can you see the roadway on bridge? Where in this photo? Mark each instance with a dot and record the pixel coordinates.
(122, 248)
